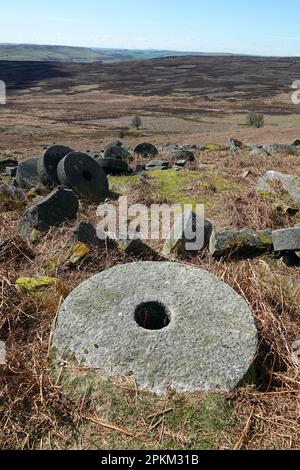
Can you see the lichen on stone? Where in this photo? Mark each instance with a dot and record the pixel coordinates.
(34, 284)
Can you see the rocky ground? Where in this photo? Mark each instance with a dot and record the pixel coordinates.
(75, 409)
(39, 267)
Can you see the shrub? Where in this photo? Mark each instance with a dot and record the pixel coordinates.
(137, 122)
(122, 133)
(255, 120)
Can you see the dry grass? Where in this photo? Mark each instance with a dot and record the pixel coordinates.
(249, 209)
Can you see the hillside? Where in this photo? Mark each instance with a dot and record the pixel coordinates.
(34, 52)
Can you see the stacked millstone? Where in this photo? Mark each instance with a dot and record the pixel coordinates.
(72, 175)
(114, 160)
(177, 328)
(60, 165)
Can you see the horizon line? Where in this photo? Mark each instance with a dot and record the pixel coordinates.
(149, 49)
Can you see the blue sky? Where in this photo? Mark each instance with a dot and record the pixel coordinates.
(268, 27)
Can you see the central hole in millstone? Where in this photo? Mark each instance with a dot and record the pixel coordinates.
(87, 175)
(152, 316)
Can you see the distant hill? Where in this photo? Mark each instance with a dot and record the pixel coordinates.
(32, 52)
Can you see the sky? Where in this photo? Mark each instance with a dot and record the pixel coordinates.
(264, 27)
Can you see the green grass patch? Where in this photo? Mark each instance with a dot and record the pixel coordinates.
(189, 422)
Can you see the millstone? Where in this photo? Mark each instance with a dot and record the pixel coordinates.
(171, 325)
(113, 166)
(27, 175)
(83, 174)
(47, 165)
(147, 150)
(116, 152)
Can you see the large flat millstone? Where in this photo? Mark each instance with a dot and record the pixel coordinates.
(83, 174)
(207, 339)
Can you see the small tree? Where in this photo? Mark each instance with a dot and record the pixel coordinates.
(122, 133)
(137, 122)
(256, 120)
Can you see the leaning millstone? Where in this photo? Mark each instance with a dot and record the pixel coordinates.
(185, 225)
(113, 166)
(226, 243)
(157, 165)
(286, 239)
(184, 154)
(170, 148)
(57, 208)
(146, 150)
(171, 326)
(86, 233)
(83, 174)
(273, 182)
(116, 153)
(27, 175)
(47, 164)
(258, 151)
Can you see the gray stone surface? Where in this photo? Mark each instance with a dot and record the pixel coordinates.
(11, 171)
(58, 207)
(290, 183)
(286, 239)
(282, 148)
(184, 154)
(157, 165)
(27, 175)
(47, 164)
(116, 152)
(83, 174)
(209, 343)
(227, 243)
(113, 166)
(177, 240)
(146, 150)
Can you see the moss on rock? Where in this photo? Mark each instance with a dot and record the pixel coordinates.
(34, 284)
